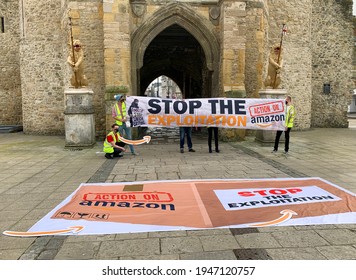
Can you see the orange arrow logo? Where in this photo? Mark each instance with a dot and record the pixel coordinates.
(74, 229)
(146, 139)
(264, 125)
(286, 215)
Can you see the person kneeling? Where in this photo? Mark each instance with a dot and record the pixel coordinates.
(113, 147)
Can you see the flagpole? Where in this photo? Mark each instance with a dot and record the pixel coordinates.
(73, 53)
(280, 51)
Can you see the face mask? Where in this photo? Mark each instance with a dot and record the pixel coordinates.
(116, 130)
(286, 102)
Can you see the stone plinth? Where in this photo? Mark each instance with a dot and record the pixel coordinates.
(79, 118)
(267, 136)
(353, 104)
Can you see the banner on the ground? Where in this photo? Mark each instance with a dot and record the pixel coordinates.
(248, 113)
(110, 208)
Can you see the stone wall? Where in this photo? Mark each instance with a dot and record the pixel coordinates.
(117, 43)
(332, 46)
(233, 44)
(44, 51)
(317, 51)
(10, 82)
(117, 55)
(42, 67)
(233, 28)
(296, 72)
(256, 42)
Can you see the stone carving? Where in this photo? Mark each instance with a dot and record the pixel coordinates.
(273, 79)
(214, 12)
(75, 100)
(78, 78)
(138, 7)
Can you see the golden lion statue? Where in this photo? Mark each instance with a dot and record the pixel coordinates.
(78, 78)
(273, 79)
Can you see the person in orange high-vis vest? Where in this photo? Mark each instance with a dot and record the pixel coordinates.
(290, 114)
(119, 115)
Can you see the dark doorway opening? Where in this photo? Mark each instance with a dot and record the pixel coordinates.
(176, 53)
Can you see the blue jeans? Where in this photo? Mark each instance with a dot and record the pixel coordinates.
(125, 132)
(182, 132)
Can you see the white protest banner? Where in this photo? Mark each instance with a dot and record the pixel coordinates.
(249, 113)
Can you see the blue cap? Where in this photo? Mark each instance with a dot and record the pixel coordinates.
(117, 96)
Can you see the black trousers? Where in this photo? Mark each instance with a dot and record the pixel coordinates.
(216, 137)
(116, 150)
(278, 136)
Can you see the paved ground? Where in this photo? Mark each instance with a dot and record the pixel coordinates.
(36, 174)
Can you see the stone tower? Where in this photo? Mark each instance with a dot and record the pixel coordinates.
(208, 47)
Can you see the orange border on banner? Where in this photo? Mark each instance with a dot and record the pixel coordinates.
(218, 120)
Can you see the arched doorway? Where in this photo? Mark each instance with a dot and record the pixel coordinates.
(178, 43)
(176, 53)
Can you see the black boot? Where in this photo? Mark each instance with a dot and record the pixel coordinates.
(108, 156)
(117, 155)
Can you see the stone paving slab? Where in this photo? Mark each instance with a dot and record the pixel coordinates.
(151, 257)
(257, 240)
(218, 242)
(305, 238)
(179, 245)
(338, 236)
(130, 247)
(217, 231)
(338, 252)
(162, 234)
(78, 251)
(12, 254)
(216, 255)
(295, 254)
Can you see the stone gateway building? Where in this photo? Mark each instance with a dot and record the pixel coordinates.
(210, 48)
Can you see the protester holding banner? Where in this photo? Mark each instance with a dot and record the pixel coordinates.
(216, 138)
(288, 124)
(112, 145)
(184, 130)
(119, 115)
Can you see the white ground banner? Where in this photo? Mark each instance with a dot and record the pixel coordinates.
(249, 113)
(109, 208)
